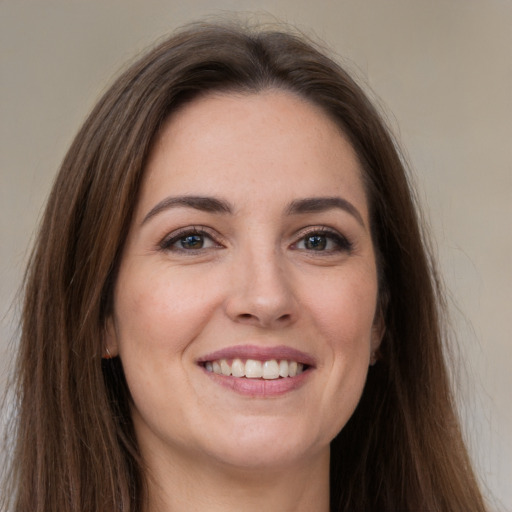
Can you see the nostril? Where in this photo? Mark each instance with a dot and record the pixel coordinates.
(250, 318)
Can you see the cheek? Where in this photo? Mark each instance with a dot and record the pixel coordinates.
(161, 310)
(158, 315)
(345, 319)
(344, 309)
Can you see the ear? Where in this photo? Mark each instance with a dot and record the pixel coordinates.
(110, 343)
(378, 331)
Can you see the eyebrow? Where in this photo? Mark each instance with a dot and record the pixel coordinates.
(215, 205)
(205, 204)
(322, 204)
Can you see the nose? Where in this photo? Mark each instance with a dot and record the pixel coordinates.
(262, 292)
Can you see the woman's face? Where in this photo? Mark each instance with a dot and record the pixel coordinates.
(250, 255)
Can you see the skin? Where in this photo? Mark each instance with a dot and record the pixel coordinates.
(258, 279)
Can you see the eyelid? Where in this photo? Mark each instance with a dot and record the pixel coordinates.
(171, 238)
(343, 243)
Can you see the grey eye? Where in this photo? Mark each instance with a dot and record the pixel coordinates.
(321, 241)
(188, 240)
(192, 241)
(315, 242)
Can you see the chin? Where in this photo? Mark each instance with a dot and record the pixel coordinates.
(266, 444)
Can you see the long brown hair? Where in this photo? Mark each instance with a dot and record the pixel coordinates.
(76, 451)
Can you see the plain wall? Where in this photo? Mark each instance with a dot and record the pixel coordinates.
(442, 71)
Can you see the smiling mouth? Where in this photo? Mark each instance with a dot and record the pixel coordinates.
(271, 369)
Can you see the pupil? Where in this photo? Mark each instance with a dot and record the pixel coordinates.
(192, 242)
(316, 242)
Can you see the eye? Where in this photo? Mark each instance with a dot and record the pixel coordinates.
(188, 240)
(195, 241)
(323, 241)
(316, 242)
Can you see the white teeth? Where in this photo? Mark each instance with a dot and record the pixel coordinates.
(225, 368)
(254, 369)
(283, 368)
(237, 368)
(271, 369)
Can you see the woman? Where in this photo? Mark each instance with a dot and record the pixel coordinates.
(230, 304)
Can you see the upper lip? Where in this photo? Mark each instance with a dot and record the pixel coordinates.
(259, 353)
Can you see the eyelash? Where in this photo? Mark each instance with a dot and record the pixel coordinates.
(342, 244)
(167, 243)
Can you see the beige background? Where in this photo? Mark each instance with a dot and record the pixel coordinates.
(443, 72)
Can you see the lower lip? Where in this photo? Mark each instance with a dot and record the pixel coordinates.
(261, 388)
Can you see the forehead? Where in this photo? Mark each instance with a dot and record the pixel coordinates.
(252, 145)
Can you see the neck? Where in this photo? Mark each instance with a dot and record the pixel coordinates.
(180, 486)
